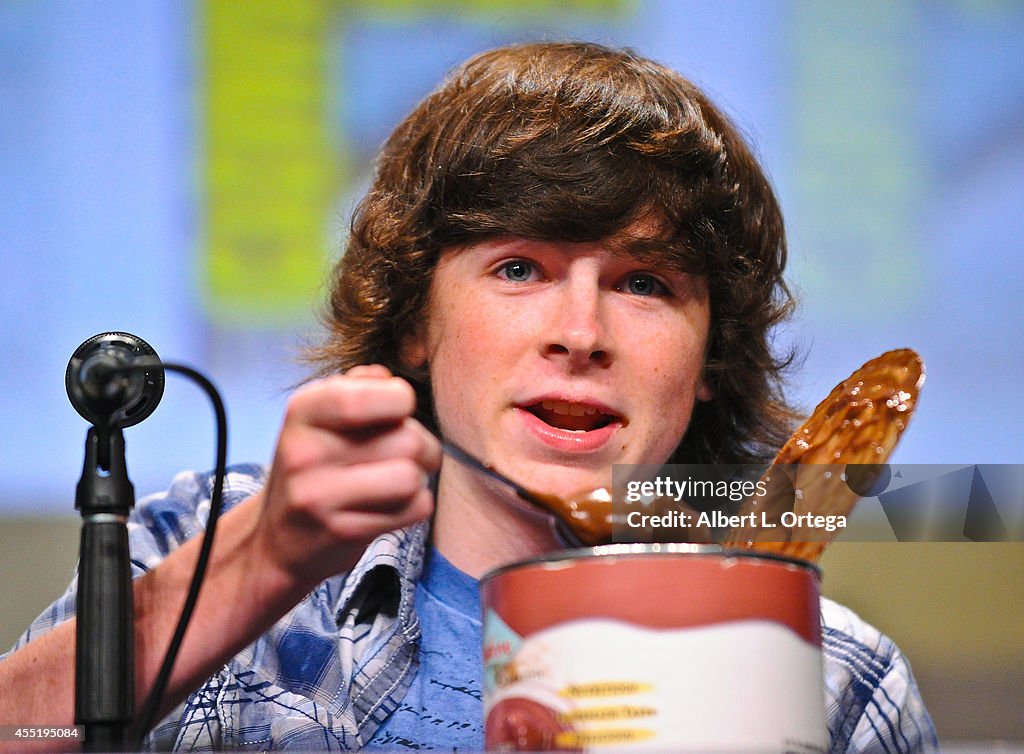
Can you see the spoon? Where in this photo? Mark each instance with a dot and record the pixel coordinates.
(581, 520)
(852, 432)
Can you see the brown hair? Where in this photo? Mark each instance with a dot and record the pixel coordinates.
(575, 141)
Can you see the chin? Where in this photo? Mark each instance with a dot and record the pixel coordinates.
(566, 480)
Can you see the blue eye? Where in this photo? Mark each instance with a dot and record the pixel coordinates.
(644, 285)
(517, 271)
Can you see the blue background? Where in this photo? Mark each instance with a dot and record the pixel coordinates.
(893, 132)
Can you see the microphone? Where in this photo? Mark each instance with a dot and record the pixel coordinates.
(104, 388)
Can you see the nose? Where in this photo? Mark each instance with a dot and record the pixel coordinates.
(577, 331)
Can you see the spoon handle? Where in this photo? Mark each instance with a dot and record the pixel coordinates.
(463, 456)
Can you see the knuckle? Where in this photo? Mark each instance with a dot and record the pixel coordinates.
(406, 390)
(411, 444)
(369, 370)
(347, 398)
(434, 453)
(423, 504)
(294, 455)
(419, 508)
(303, 500)
(407, 477)
(293, 406)
(345, 528)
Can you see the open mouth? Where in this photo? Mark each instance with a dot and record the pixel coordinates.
(572, 417)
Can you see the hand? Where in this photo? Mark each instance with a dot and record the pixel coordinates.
(351, 463)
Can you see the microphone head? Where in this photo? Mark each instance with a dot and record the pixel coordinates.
(100, 387)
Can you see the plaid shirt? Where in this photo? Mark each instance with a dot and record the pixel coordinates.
(327, 674)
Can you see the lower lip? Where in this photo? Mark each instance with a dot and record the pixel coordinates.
(565, 440)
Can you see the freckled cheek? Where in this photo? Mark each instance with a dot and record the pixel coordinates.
(673, 376)
(471, 351)
(465, 363)
(667, 424)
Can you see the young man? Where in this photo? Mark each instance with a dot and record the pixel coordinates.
(568, 259)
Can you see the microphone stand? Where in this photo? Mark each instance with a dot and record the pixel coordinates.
(114, 380)
(104, 657)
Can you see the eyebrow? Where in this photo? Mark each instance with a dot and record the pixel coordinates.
(659, 253)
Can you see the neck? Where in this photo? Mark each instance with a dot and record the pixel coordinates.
(480, 525)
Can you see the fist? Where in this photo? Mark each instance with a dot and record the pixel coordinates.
(350, 464)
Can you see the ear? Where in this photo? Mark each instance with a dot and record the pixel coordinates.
(704, 391)
(413, 350)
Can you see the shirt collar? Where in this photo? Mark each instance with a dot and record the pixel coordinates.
(401, 554)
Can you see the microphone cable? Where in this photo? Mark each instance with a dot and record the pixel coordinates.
(151, 709)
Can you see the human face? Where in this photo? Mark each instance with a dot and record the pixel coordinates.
(554, 360)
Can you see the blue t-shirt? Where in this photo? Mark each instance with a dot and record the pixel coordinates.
(443, 709)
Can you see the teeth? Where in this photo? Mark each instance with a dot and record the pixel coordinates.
(569, 409)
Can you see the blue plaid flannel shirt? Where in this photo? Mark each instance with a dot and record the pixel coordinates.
(327, 674)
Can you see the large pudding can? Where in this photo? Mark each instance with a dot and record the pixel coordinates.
(653, 647)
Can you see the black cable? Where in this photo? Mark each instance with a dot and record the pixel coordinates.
(152, 707)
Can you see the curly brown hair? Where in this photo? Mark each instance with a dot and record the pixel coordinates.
(575, 141)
